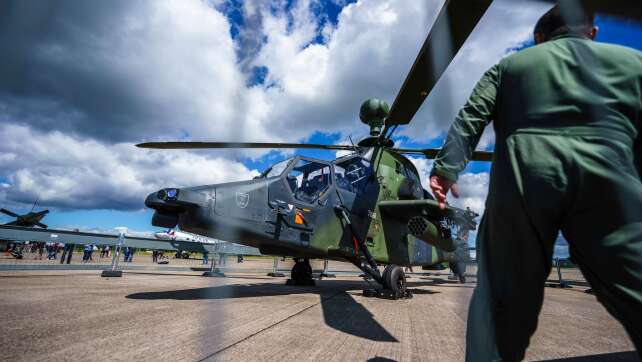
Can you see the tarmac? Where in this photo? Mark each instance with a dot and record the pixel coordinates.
(247, 316)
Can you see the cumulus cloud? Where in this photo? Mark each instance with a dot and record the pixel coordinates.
(424, 166)
(123, 71)
(367, 55)
(474, 189)
(67, 172)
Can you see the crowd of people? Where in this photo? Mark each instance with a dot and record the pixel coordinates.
(65, 250)
(53, 249)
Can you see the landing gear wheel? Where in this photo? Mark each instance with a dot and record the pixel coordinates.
(394, 280)
(301, 270)
(301, 273)
(459, 271)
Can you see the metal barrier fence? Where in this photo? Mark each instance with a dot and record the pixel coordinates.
(565, 276)
(143, 259)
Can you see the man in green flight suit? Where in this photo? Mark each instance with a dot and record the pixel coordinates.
(568, 120)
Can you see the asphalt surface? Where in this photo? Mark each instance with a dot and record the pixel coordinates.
(77, 315)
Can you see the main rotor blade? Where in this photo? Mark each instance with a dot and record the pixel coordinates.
(210, 145)
(455, 22)
(5, 211)
(431, 153)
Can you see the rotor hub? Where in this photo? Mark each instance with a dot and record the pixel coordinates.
(373, 112)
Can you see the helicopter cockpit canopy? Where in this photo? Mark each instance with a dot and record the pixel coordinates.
(352, 174)
(276, 169)
(308, 179)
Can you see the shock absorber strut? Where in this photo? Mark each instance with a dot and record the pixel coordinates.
(371, 267)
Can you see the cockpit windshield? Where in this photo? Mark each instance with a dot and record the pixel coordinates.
(308, 180)
(352, 174)
(276, 169)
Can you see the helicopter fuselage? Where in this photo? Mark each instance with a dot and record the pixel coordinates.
(297, 210)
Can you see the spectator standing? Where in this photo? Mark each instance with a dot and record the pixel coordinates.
(41, 250)
(86, 253)
(68, 252)
(126, 254)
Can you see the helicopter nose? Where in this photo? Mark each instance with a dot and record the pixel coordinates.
(169, 203)
(174, 199)
(161, 198)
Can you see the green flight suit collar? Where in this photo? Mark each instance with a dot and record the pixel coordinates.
(570, 35)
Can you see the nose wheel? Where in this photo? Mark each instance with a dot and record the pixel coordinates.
(301, 273)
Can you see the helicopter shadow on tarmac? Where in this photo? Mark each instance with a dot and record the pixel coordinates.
(615, 356)
(340, 309)
(442, 282)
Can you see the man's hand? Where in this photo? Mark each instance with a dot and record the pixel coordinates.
(440, 187)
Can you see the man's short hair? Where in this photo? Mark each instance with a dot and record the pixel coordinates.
(571, 18)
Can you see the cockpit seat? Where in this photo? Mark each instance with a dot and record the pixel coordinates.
(311, 189)
(343, 183)
(291, 182)
(307, 193)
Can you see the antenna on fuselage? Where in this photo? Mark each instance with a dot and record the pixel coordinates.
(353, 146)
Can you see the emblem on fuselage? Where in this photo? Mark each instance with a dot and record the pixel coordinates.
(242, 199)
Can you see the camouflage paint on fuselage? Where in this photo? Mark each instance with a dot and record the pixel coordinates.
(265, 213)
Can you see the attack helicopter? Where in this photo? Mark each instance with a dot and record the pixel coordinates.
(368, 207)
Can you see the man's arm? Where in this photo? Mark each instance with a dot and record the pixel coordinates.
(468, 127)
(464, 136)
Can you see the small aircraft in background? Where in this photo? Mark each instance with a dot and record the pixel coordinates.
(29, 219)
(176, 235)
(180, 237)
(188, 242)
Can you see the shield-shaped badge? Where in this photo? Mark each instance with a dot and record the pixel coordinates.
(242, 199)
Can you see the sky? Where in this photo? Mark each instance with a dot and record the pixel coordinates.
(82, 82)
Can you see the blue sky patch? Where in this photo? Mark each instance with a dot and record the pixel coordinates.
(619, 31)
(233, 9)
(257, 76)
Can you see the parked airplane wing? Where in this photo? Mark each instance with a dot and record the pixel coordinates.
(19, 233)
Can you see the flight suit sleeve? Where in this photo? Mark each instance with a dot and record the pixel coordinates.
(468, 127)
(637, 156)
(637, 143)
